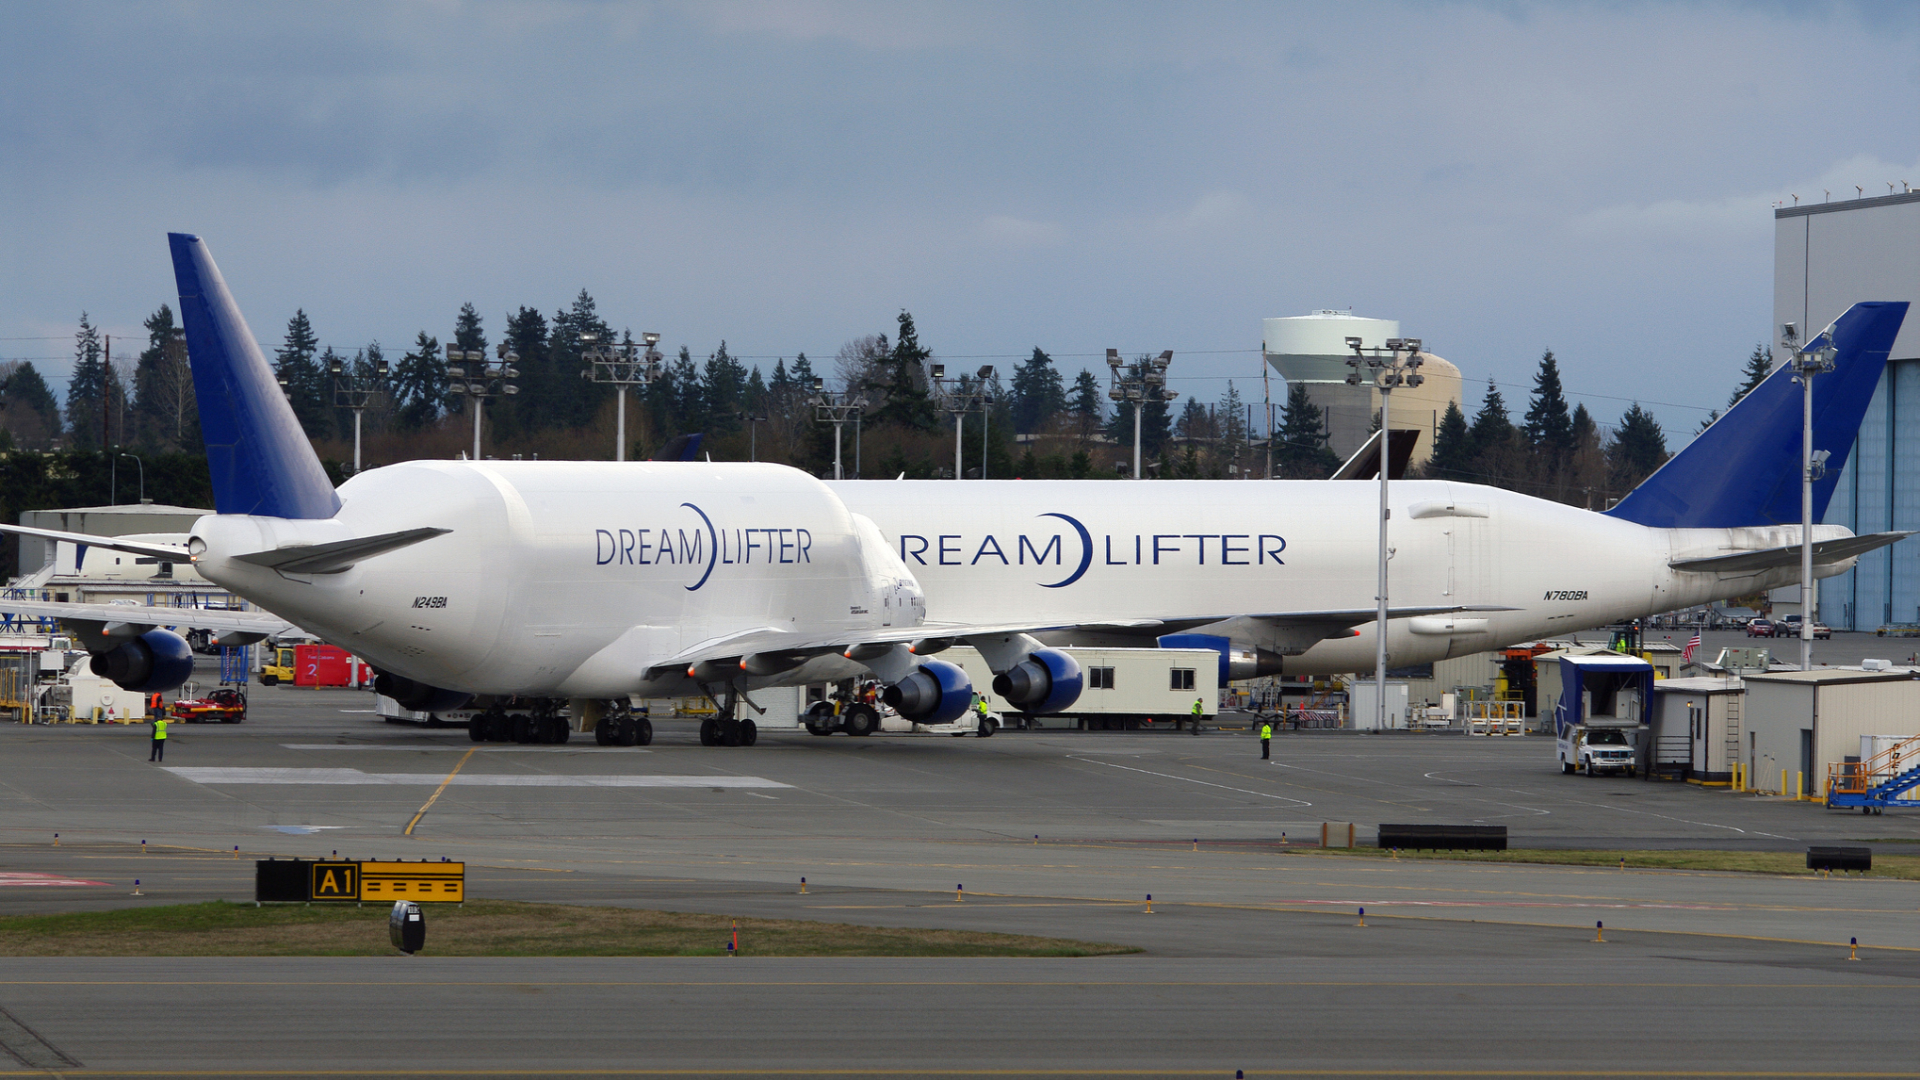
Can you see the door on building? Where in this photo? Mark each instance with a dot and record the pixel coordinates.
(1806, 761)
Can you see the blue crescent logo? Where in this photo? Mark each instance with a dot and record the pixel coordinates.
(1086, 553)
(713, 547)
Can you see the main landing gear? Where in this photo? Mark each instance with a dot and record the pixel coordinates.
(620, 727)
(541, 723)
(858, 718)
(727, 727)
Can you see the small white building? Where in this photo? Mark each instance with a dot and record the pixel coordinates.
(1696, 729)
(1801, 724)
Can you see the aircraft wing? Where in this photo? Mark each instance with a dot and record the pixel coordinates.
(1322, 623)
(251, 622)
(1824, 552)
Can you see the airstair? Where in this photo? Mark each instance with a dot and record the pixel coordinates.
(1888, 778)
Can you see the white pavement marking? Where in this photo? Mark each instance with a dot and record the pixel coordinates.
(1191, 780)
(24, 878)
(215, 775)
(414, 748)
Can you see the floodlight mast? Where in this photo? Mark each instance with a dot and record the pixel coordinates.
(622, 366)
(1398, 364)
(490, 379)
(1815, 358)
(355, 391)
(836, 409)
(1149, 385)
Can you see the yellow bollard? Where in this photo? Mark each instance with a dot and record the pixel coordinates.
(1149, 903)
(1799, 786)
(959, 893)
(1783, 781)
(1363, 916)
(803, 886)
(56, 839)
(1599, 933)
(1853, 948)
(143, 847)
(1623, 862)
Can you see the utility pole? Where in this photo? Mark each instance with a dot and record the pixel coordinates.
(480, 380)
(1398, 364)
(960, 401)
(1149, 385)
(621, 366)
(1816, 358)
(355, 391)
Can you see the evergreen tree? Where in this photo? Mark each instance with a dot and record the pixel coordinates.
(527, 338)
(722, 390)
(1194, 423)
(1587, 473)
(90, 390)
(1549, 428)
(1038, 394)
(758, 393)
(1759, 366)
(1087, 404)
(1232, 426)
(1639, 447)
(28, 410)
(156, 406)
(564, 399)
(689, 406)
(1491, 428)
(468, 334)
(1300, 450)
(296, 363)
(420, 383)
(1452, 447)
(902, 383)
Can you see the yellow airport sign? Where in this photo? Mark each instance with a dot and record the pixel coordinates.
(336, 881)
(422, 881)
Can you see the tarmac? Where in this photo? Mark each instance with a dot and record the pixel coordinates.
(1252, 959)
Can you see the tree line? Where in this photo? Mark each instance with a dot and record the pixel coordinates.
(1031, 421)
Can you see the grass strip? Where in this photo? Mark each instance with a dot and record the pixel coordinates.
(1902, 867)
(488, 928)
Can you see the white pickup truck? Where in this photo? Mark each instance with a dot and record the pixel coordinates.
(1594, 750)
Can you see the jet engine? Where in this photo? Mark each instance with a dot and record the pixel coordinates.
(1238, 660)
(936, 693)
(1047, 681)
(156, 660)
(418, 696)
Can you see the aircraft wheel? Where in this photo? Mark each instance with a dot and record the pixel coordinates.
(749, 733)
(643, 731)
(603, 731)
(562, 731)
(520, 728)
(477, 729)
(862, 721)
(709, 732)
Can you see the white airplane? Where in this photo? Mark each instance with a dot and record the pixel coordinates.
(536, 584)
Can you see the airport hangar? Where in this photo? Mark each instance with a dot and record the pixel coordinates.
(1827, 256)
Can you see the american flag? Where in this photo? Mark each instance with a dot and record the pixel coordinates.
(1686, 657)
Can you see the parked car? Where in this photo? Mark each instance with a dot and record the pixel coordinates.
(1789, 627)
(1759, 628)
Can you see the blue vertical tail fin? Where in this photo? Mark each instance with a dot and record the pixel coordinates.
(1745, 469)
(260, 458)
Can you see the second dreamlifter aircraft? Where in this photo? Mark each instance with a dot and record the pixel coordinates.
(533, 584)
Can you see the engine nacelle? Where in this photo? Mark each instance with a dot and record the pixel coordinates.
(1047, 681)
(418, 696)
(1238, 660)
(936, 693)
(156, 660)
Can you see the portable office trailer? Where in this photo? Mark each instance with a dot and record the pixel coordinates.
(1801, 723)
(1125, 688)
(1696, 731)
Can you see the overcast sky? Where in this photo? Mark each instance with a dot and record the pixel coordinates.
(1502, 178)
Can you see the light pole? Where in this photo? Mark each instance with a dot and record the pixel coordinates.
(622, 366)
(836, 409)
(356, 391)
(113, 482)
(986, 416)
(1817, 357)
(472, 375)
(1149, 385)
(1398, 364)
(754, 420)
(960, 401)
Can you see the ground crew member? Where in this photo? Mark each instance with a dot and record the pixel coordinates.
(1198, 708)
(159, 739)
(1266, 738)
(980, 707)
(154, 705)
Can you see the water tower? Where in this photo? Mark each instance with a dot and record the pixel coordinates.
(1312, 350)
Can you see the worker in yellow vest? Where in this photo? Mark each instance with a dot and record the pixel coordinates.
(980, 708)
(159, 739)
(1199, 707)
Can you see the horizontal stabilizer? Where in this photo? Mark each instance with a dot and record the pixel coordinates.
(1825, 552)
(337, 556)
(163, 552)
